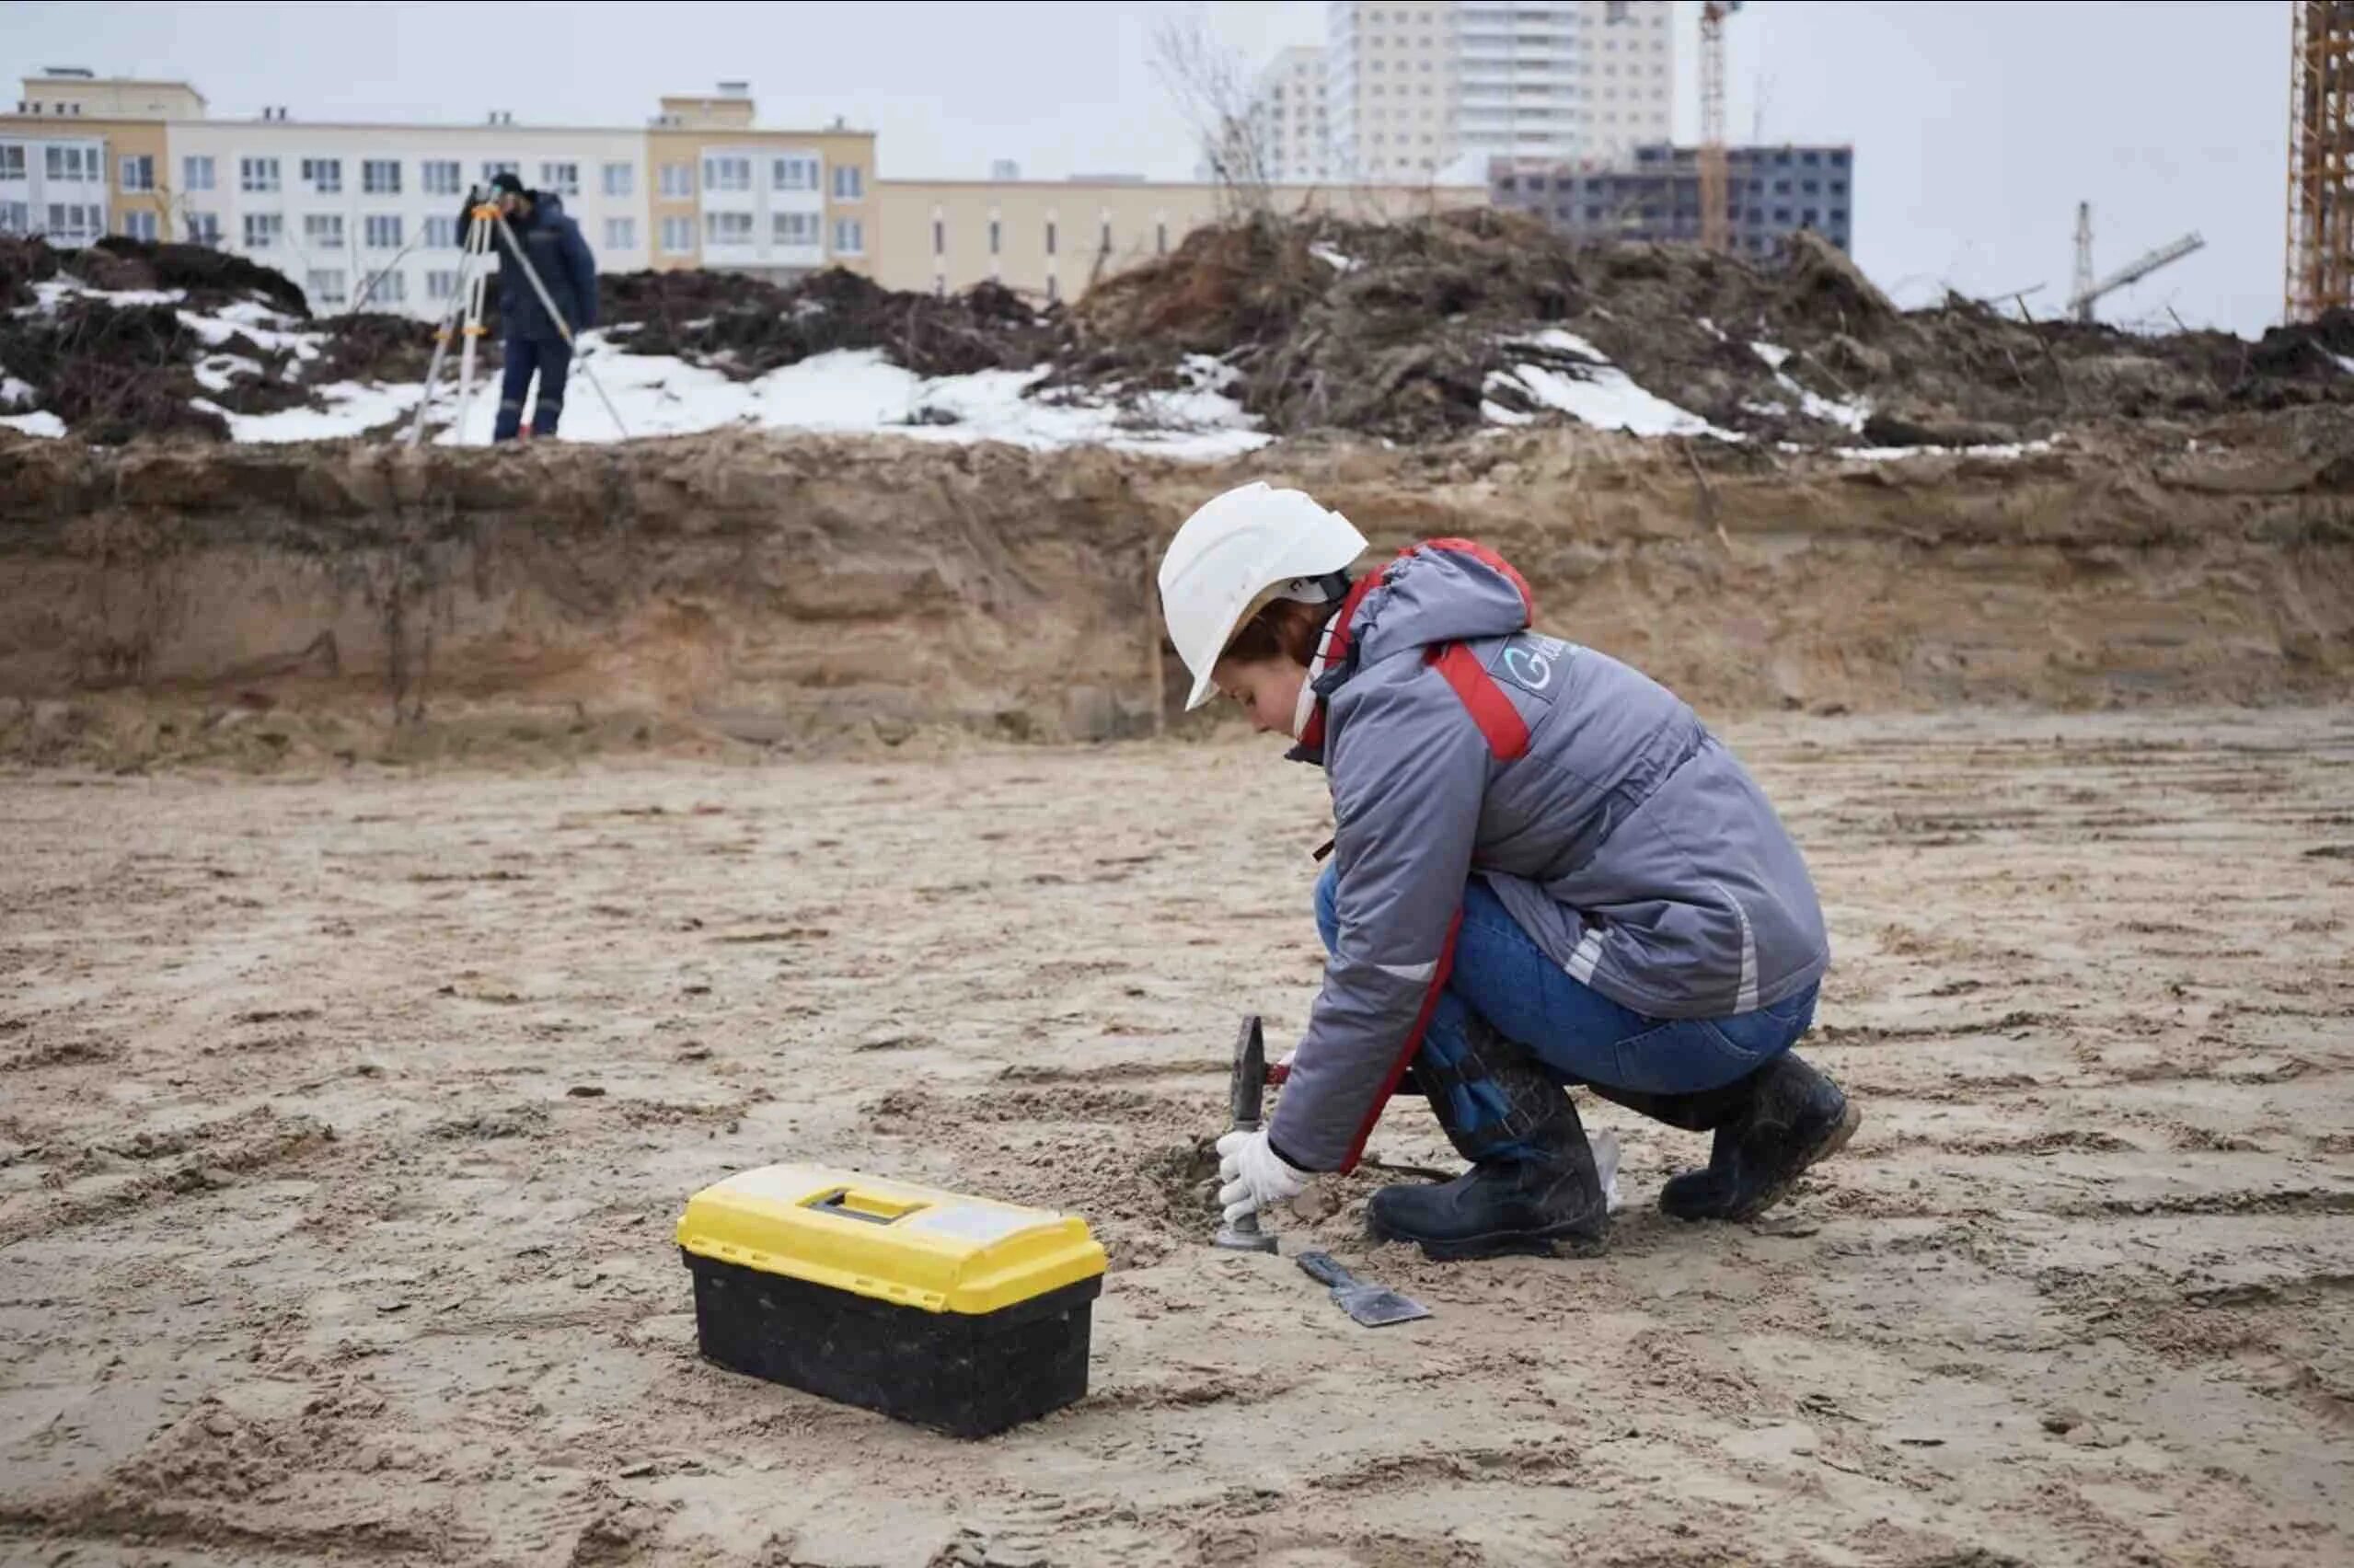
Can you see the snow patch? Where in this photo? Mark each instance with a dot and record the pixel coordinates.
(1332, 259)
(14, 394)
(215, 372)
(40, 422)
(2345, 362)
(2003, 451)
(351, 409)
(1605, 396)
(1713, 330)
(1814, 405)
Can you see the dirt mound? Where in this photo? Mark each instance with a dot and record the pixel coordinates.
(210, 276)
(24, 262)
(746, 327)
(1422, 330)
(1418, 331)
(377, 346)
(112, 371)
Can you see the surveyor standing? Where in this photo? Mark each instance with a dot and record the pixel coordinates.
(533, 343)
(1546, 871)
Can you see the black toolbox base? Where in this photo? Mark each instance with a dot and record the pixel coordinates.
(967, 1374)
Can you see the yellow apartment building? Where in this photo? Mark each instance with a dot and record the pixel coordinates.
(1053, 238)
(366, 216)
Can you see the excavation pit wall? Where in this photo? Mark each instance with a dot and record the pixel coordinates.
(743, 594)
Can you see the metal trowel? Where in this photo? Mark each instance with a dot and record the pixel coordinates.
(1371, 1305)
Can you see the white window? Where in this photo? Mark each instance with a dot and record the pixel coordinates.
(849, 182)
(849, 236)
(383, 231)
(678, 180)
(72, 223)
(264, 230)
(325, 288)
(387, 288)
(441, 284)
(12, 163)
(796, 228)
(324, 175)
(677, 235)
(620, 180)
(440, 233)
(203, 228)
(258, 175)
(727, 228)
(196, 174)
(139, 226)
(727, 173)
(621, 234)
(139, 173)
(564, 179)
(80, 164)
(439, 176)
(16, 217)
(323, 230)
(793, 174)
(380, 177)
(493, 167)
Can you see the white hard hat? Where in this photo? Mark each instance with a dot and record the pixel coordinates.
(1232, 551)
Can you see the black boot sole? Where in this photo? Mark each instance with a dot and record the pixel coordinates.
(1850, 1118)
(1577, 1240)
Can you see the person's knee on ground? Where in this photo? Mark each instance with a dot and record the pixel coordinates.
(1532, 1183)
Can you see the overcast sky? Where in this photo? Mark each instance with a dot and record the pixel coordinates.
(1978, 124)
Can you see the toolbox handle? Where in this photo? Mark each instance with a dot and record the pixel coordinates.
(866, 1207)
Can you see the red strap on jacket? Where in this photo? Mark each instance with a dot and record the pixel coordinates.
(1483, 696)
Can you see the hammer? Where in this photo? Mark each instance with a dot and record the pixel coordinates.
(1250, 1088)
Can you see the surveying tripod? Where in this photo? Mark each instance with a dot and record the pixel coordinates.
(463, 317)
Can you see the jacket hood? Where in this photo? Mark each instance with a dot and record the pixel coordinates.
(1437, 594)
(546, 204)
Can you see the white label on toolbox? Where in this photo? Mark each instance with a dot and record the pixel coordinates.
(970, 1222)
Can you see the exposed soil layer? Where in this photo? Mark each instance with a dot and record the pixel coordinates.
(345, 1122)
(251, 603)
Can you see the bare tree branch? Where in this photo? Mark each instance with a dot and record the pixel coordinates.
(1212, 87)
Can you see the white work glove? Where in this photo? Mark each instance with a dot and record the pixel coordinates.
(1254, 1176)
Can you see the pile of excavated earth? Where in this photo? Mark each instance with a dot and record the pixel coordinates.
(1259, 328)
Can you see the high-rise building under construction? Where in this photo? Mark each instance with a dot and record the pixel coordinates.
(1414, 88)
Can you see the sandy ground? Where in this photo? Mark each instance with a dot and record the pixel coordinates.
(343, 1123)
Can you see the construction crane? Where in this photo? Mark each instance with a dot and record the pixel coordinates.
(1715, 221)
(2083, 291)
(2320, 159)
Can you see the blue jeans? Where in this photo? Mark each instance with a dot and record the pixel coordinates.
(553, 362)
(1579, 1034)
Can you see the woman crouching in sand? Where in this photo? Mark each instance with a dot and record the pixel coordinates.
(1546, 871)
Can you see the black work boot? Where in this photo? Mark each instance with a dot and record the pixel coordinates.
(1532, 1183)
(1788, 1117)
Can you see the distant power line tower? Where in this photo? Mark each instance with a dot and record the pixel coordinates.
(2321, 157)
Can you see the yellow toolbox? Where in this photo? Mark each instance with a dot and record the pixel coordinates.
(954, 1312)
